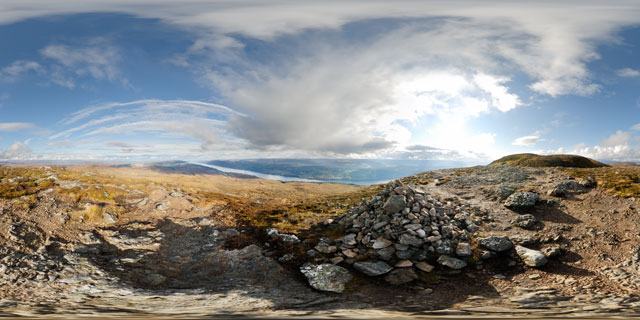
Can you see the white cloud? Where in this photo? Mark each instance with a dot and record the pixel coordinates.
(16, 126)
(448, 62)
(548, 40)
(636, 127)
(621, 146)
(152, 119)
(628, 73)
(98, 60)
(526, 141)
(617, 139)
(502, 99)
(17, 151)
(17, 69)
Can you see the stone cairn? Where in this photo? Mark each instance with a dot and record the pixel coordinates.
(400, 230)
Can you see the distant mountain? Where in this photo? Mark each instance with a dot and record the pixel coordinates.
(181, 167)
(556, 160)
(355, 171)
(625, 164)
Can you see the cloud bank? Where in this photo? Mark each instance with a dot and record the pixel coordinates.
(335, 90)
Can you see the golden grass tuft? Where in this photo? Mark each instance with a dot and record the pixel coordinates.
(621, 181)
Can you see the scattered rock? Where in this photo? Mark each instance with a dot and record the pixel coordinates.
(463, 249)
(284, 237)
(424, 266)
(349, 253)
(525, 221)
(410, 240)
(552, 252)
(557, 191)
(394, 204)
(521, 200)
(326, 277)
(504, 191)
(497, 244)
(381, 243)
(404, 264)
(401, 276)
(372, 269)
(153, 280)
(324, 247)
(452, 263)
(530, 257)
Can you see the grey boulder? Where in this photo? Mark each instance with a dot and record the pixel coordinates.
(525, 221)
(452, 263)
(326, 277)
(497, 244)
(521, 200)
(394, 204)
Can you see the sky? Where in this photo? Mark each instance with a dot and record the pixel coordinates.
(139, 80)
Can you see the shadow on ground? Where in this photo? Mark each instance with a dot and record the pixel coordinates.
(193, 257)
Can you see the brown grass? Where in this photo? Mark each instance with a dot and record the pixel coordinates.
(621, 181)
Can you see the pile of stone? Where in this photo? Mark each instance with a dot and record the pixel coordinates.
(401, 228)
(404, 231)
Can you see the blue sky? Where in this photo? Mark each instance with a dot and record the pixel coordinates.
(193, 80)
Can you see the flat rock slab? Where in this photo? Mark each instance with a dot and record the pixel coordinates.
(372, 269)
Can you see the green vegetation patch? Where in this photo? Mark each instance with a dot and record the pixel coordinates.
(540, 161)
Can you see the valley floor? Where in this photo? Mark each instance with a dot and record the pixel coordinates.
(86, 241)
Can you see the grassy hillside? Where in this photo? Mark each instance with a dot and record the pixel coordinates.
(538, 161)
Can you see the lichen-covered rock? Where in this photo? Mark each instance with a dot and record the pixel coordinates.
(561, 189)
(530, 257)
(326, 277)
(525, 221)
(521, 200)
(504, 191)
(497, 244)
(372, 268)
(453, 263)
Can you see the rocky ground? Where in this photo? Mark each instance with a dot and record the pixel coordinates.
(474, 241)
